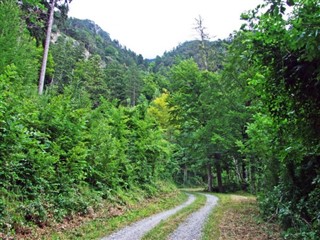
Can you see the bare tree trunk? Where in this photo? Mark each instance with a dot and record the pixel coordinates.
(210, 178)
(46, 49)
(244, 175)
(238, 170)
(204, 37)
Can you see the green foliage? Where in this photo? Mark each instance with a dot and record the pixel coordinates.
(108, 148)
(15, 45)
(116, 75)
(36, 14)
(207, 110)
(284, 136)
(66, 53)
(167, 197)
(98, 42)
(89, 77)
(160, 110)
(62, 153)
(192, 49)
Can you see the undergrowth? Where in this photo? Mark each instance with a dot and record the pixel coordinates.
(104, 216)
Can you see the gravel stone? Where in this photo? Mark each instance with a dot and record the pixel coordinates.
(191, 229)
(136, 230)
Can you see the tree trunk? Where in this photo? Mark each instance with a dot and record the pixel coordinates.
(46, 49)
(238, 169)
(210, 178)
(219, 176)
(244, 176)
(217, 157)
(204, 37)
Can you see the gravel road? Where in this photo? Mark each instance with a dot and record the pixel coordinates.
(191, 229)
(138, 229)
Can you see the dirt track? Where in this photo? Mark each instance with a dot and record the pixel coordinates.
(190, 229)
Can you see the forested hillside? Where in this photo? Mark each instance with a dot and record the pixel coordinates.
(235, 114)
(213, 50)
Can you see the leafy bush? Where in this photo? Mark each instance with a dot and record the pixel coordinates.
(276, 205)
(34, 211)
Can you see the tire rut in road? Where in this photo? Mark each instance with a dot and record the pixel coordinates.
(136, 230)
(191, 229)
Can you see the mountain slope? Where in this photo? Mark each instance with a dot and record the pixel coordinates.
(214, 51)
(98, 41)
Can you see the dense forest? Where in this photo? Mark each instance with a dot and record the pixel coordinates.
(236, 114)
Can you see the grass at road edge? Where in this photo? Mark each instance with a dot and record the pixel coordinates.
(211, 229)
(165, 228)
(103, 226)
(237, 217)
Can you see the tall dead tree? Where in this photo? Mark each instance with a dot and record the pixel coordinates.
(63, 7)
(46, 48)
(204, 37)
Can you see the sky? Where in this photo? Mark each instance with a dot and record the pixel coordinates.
(151, 27)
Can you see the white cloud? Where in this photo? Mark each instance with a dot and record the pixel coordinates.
(151, 27)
